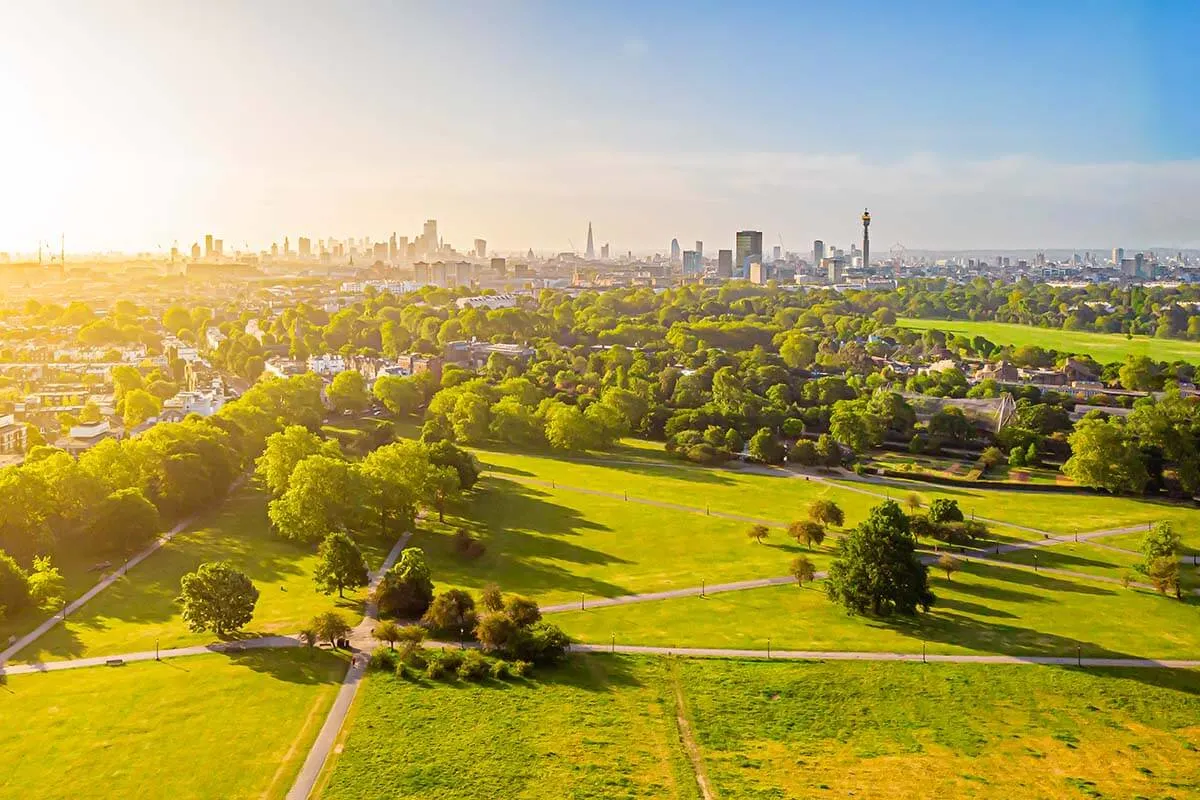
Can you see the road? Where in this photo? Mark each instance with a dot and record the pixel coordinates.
(836, 655)
(40, 631)
(151, 655)
(361, 640)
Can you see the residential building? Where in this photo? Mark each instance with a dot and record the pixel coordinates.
(13, 438)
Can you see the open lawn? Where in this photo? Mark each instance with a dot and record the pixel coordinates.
(1094, 559)
(1104, 347)
(556, 545)
(593, 728)
(140, 608)
(197, 727)
(785, 496)
(1188, 530)
(983, 609)
(879, 731)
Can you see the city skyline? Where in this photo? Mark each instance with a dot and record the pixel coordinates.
(944, 125)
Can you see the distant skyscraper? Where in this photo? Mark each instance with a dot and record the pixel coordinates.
(604, 251)
(218, 247)
(287, 245)
(676, 253)
(724, 263)
(304, 247)
(748, 247)
(866, 254)
(480, 248)
(391, 247)
(208, 251)
(430, 236)
(195, 250)
(700, 248)
(691, 263)
(1118, 255)
(590, 252)
(777, 253)
(818, 252)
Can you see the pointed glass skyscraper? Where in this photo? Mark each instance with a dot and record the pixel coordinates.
(590, 253)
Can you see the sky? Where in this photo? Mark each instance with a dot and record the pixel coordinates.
(1016, 124)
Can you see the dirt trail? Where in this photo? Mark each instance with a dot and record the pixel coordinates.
(689, 743)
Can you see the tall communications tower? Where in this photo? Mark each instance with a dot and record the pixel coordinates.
(866, 221)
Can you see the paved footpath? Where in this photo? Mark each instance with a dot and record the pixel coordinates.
(109, 580)
(836, 655)
(360, 639)
(151, 655)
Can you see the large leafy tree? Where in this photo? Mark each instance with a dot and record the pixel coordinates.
(1105, 457)
(217, 597)
(877, 570)
(1161, 541)
(406, 589)
(340, 565)
(400, 396)
(325, 494)
(15, 594)
(395, 476)
(348, 391)
(124, 520)
(284, 450)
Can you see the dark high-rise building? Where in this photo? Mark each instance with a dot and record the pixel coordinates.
(208, 251)
(724, 263)
(692, 264)
(604, 252)
(818, 252)
(590, 252)
(866, 254)
(676, 253)
(700, 248)
(499, 266)
(748, 248)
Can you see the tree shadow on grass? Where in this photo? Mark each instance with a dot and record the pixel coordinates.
(294, 665)
(1037, 580)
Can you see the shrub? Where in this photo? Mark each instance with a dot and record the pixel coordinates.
(451, 659)
(945, 510)
(467, 546)
(474, 666)
(452, 612)
(405, 673)
(413, 657)
(804, 453)
(435, 670)
(500, 670)
(541, 643)
(520, 668)
(384, 658)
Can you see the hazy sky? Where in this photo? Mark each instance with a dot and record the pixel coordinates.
(1007, 124)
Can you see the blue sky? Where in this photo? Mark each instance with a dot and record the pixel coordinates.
(974, 124)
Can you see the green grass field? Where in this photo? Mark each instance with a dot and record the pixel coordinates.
(786, 497)
(880, 731)
(594, 728)
(197, 727)
(1104, 347)
(983, 609)
(140, 608)
(556, 545)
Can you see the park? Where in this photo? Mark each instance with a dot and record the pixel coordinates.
(630, 550)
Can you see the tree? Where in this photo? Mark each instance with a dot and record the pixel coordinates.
(441, 486)
(400, 396)
(406, 590)
(330, 626)
(826, 513)
(395, 477)
(491, 598)
(802, 570)
(447, 454)
(943, 510)
(45, 583)
(876, 569)
(1164, 574)
(309, 637)
(494, 631)
(324, 494)
(521, 610)
(217, 597)
(807, 532)
(1161, 541)
(452, 611)
(912, 502)
(387, 631)
(1103, 456)
(948, 564)
(758, 532)
(348, 392)
(15, 594)
(284, 450)
(123, 521)
(765, 448)
(140, 406)
(340, 565)
(853, 424)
